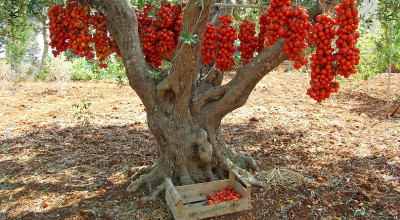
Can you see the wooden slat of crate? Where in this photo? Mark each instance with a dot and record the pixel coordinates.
(245, 183)
(174, 195)
(197, 211)
(191, 206)
(171, 204)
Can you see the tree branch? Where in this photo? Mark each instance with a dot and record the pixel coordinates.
(247, 77)
(185, 62)
(123, 25)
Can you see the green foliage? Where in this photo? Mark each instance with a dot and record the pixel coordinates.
(238, 59)
(81, 70)
(115, 70)
(251, 14)
(201, 3)
(84, 69)
(371, 63)
(120, 81)
(375, 54)
(18, 27)
(154, 74)
(188, 38)
(389, 18)
(83, 113)
(16, 32)
(18, 39)
(42, 75)
(375, 47)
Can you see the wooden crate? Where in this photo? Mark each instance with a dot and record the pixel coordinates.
(188, 201)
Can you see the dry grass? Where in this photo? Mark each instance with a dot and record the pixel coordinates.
(5, 70)
(58, 68)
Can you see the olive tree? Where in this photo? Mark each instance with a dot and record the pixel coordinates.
(185, 108)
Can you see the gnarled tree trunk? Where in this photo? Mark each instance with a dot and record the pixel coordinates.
(184, 113)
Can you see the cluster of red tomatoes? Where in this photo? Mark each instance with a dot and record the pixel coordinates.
(323, 71)
(248, 40)
(159, 34)
(75, 27)
(58, 30)
(209, 47)
(274, 22)
(105, 43)
(348, 53)
(284, 20)
(296, 35)
(222, 196)
(226, 36)
(78, 19)
(70, 28)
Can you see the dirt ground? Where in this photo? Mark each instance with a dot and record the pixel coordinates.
(47, 157)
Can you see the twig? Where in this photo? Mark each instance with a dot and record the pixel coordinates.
(240, 5)
(394, 112)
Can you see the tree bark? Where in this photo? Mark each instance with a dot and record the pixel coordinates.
(45, 42)
(184, 115)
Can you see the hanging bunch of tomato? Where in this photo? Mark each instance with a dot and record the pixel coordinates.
(159, 30)
(274, 25)
(209, 47)
(348, 54)
(248, 40)
(226, 36)
(104, 43)
(284, 20)
(327, 63)
(79, 19)
(59, 31)
(74, 27)
(323, 70)
(263, 21)
(296, 35)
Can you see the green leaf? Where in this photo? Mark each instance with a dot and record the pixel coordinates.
(154, 74)
(189, 39)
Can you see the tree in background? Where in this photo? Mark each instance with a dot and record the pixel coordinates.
(16, 31)
(17, 18)
(376, 45)
(39, 9)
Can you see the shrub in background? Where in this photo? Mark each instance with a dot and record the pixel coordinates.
(55, 69)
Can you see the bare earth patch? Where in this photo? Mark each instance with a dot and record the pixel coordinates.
(347, 141)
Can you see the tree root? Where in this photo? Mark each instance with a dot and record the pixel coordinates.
(137, 171)
(249, 177)
(158, 191)
(152, 178)
(255, 182)
(135, 185)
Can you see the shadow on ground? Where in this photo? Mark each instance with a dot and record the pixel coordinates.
(68, 168)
